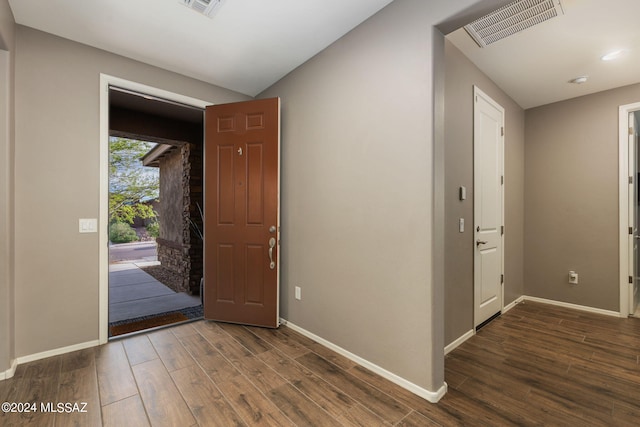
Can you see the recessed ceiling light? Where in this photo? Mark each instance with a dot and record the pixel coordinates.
(579, 80)
(612, 55)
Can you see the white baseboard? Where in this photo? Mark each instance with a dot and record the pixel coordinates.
(448, 349)
(512, 304)
(431, 396)
(9, 372)
(574, 306)
(58, 351)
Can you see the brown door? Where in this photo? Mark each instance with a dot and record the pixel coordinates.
(241, 212)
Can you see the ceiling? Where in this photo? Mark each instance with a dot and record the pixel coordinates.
(247, 46)
(251, 44)
(534, 66)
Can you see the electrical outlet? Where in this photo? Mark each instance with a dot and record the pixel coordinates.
(298, 293)
(573, 277)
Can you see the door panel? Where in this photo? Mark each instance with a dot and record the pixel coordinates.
(242, 212)
(488, 206)
(226, 185)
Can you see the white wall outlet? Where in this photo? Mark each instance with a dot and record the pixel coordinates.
(573, 277)
(298, 293)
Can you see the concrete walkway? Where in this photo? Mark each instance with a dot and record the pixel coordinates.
(134, 293)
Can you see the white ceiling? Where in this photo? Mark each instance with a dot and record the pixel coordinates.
(534, 66)
(247, 46)
(251, 44)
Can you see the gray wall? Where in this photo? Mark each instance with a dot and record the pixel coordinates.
(57, 181)
(7, 62)
(571, 199)
(461, 76)
(358, 192)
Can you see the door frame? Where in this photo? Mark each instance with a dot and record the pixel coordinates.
(103, 218)
(624, 220)
(479, 92)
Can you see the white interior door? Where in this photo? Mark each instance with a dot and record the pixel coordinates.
(633, 215)
(488, 139)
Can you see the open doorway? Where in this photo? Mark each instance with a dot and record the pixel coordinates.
(155, 280)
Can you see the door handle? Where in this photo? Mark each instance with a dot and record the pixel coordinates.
(272, 244)
(481, 242)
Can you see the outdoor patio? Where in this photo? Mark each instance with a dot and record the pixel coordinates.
(134, 293)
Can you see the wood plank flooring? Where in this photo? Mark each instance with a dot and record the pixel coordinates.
(535, 365)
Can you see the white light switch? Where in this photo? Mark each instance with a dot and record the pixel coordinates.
(88, 225)
(461, 225)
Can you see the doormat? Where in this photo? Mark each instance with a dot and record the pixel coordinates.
(151, 322)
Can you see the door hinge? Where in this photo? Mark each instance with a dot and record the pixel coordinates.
(630, 279)
(502, 278)
(502, 180)
(630, 230)
(630, 131)
(502, 230)
(630, 180)
(502, 131)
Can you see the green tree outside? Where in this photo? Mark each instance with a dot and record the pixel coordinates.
(130, 183)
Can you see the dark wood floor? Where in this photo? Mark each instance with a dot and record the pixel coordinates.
(535, 365)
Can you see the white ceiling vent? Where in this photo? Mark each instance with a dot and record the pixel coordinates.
(511, 19)
(205, 7)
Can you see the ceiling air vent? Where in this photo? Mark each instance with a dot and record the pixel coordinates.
(205, 7)
(511, 19)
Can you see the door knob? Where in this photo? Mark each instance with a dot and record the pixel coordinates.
(481, 242)
(272, 244)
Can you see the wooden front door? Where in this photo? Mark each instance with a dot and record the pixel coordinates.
(241, 233)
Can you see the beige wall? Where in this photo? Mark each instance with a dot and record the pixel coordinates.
(461, 76)
(7, 342)
(56, 165)
(358, 193)
(571, 199)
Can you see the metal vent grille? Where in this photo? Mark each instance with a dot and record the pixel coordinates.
(205, 7)
(511, 19)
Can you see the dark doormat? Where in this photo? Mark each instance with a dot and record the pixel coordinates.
(148, 323)
(122, 327)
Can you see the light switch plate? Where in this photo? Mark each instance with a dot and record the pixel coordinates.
(88, 225)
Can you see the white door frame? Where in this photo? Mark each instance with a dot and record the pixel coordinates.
(624, 220)
(105, 82)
